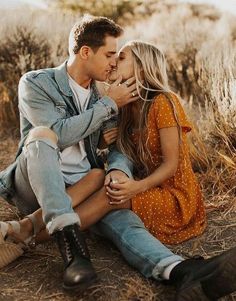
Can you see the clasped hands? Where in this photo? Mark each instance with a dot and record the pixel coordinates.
(120, 188)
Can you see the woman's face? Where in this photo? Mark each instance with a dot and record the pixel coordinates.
(125, 65)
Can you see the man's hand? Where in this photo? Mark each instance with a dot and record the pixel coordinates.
(110, 135)
(124, 93)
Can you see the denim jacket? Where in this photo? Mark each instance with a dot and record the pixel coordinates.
(46, 99)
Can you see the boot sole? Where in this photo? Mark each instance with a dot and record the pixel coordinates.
(224, 281)
(192, 293)
(81, 287)
(220, 283)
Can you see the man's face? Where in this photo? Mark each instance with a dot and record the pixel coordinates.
(100, 64)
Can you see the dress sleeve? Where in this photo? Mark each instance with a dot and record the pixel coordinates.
(168, 114)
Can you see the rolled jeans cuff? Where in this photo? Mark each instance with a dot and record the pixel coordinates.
(62, 221)
(164, 263)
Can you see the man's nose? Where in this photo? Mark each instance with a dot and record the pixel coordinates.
(113, 62)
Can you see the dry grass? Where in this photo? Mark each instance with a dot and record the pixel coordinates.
(37, 275)
(200, 46)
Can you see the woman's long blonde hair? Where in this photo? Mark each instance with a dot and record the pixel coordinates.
(151, 79)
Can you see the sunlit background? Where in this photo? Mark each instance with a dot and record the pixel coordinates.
(227, 5)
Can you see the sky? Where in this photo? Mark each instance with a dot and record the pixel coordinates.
(15, 3)
(228, 5)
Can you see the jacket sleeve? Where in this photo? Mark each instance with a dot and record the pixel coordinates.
(40, 109)
(118, 161)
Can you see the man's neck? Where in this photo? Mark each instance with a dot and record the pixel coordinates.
(75, 70)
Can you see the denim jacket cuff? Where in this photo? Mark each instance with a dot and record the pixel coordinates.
(110, 105)
(122, 168)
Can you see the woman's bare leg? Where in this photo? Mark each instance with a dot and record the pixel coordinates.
(91, 206)
(95, 207)
(90, 211)
(78, 192)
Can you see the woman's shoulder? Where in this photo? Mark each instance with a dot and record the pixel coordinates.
(166, 99)
(168, 111)
(165, 102)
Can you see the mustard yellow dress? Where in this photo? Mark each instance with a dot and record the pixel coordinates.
(173, 212)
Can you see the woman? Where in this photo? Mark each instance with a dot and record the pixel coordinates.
(152, 134)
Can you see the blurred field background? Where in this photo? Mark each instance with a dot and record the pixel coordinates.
(200, 45)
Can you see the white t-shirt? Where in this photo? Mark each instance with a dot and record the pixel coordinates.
(74, 161)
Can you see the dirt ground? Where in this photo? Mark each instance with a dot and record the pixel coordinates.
(38, 274)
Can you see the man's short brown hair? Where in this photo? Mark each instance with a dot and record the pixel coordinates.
(92, 31)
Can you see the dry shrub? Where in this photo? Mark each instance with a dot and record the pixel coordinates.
(121, 11)
(20, 52)
(33, 41)
(8, 113)
(218, 122)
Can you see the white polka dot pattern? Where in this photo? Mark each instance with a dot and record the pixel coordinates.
(175, 211)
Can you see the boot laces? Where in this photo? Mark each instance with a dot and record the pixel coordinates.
(67, 249)
(81, 248)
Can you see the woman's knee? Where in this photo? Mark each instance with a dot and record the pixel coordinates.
(42, 132)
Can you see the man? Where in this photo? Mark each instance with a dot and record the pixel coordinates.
(61, 110)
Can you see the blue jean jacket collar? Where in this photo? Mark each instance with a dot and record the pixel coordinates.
(61, 78)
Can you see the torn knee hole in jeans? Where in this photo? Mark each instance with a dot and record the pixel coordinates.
(45, 141)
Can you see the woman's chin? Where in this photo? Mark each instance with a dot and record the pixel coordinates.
(112, 77)
(111, 80)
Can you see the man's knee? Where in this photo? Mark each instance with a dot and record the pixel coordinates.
(126, 217)
(42, 132)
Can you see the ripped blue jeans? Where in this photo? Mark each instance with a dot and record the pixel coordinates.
(39, 183)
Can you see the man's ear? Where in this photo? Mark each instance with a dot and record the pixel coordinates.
(85, 52)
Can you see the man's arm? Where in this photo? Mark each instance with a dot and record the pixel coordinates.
(118, 161)
(40, 109)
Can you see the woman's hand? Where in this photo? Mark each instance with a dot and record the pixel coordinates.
(115, 176)
(124, 190)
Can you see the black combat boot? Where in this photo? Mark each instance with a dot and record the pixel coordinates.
(200, 279)
(79, 272)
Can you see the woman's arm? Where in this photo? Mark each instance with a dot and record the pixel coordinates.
(170, 151)
(124, 191)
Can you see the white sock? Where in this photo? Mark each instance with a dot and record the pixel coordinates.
(166, 274)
